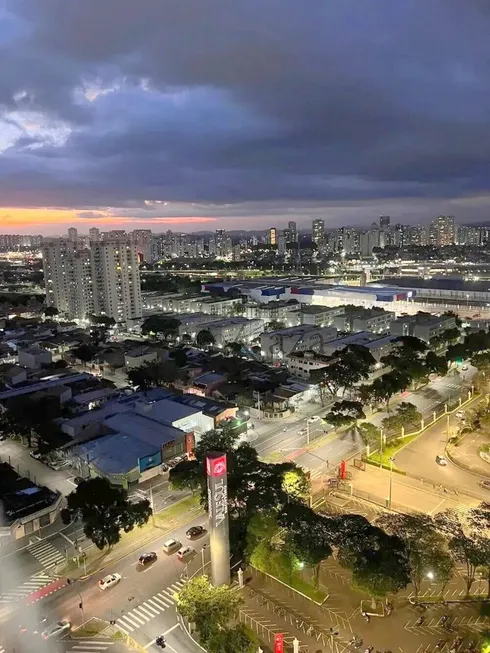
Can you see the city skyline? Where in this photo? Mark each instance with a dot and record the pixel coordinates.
(210, 118)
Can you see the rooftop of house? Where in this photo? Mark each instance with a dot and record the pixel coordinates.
(21, 497)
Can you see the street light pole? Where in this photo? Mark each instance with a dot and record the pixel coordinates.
(391, 481)
(381, 448)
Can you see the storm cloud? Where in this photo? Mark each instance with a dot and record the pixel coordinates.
(339, 109)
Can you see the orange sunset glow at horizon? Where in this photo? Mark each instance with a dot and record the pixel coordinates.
(51, 220)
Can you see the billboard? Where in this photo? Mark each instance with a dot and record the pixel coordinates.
(216, 469)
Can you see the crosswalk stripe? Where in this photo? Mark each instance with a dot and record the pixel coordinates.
(126, 632)
(141, 614)
(176, 587)
(131, 616)
(164, 600)
(91, 647)
(151, 608)
(146, 611)
(157, 607)
(134, 623)
(169, 595)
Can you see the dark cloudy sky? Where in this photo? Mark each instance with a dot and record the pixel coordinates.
(197, 114)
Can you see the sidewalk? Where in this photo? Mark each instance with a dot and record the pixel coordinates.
(407, 494)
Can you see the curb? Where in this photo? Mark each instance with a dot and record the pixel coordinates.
(463, 467)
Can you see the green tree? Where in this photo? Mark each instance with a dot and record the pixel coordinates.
(386, 386)
(161, 325)
(186, 475)
(378, 565)
(210, 608)
(406, 416)
(179, 356)
(205, 339)
(153, 374)
(436, 364)
(345, 413)
(84, 353)
(230, 640)
(104, 511)
(370, 434)
(481, 361)
(50, 311)
(308, 535)
(426, 548)
(234, 348)
(465, 544)
(349, 367)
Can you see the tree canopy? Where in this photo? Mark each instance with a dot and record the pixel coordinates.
(104, 511)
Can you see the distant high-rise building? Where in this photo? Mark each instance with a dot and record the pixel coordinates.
(94, 235)
(142, 239)
(384, 221)
(104, 280)
(293, 232)
(73, 234)
(281, 243)
(318, 231)
(272, 236)
(442, 231)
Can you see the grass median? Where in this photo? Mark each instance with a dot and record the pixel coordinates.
(389, 451)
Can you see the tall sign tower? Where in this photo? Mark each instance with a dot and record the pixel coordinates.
(218, 518)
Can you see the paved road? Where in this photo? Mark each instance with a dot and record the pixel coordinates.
(419, 458)
(142, 604)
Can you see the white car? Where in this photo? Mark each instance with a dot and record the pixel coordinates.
(185, 552)
(460, 414)
(56, 629)
(440, 460)
(171, 546)
(315, 418)
(109, 581)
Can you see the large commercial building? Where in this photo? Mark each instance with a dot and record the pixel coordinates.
(104, 280)
(277, 344)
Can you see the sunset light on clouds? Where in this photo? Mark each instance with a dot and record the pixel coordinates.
(318, 109)
(53, 221)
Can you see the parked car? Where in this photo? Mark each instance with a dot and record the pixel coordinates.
(147, 558)
(464, 368)
(441, 460)
(56, 629)
(109, 581)
(36, 455)
(194, 532)
(77, 480)
(460, 414)
(185, 552)
(315, 418)
(171, 546)
(485, 484)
